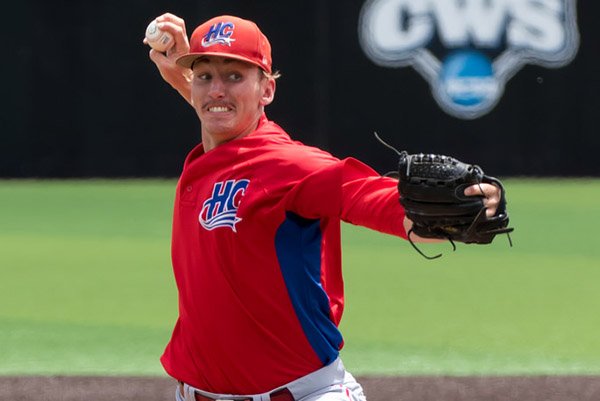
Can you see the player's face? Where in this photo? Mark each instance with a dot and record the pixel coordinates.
(229, 97)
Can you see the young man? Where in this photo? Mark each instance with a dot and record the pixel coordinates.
(256, 231)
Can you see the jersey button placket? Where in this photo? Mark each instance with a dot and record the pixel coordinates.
(187, 194)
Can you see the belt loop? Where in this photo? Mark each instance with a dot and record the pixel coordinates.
(190, 394)
(179, 394)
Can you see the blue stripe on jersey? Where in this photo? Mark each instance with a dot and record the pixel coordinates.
(298, 247)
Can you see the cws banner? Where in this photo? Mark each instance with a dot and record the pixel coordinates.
(468, 49)
(67, 114)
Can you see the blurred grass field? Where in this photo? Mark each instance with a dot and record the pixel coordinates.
(86, 286)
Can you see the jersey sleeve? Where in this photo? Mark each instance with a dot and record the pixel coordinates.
(352, 191)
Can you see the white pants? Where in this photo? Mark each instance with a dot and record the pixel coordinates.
(330, 383)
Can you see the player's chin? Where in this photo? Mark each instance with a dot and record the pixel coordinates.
(218, 123)
(220, 131)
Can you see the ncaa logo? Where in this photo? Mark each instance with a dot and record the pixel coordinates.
(468, 49)
(221, 208)
(219, 34)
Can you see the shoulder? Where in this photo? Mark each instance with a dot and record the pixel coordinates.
(272, 143)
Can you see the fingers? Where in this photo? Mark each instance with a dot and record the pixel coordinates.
(165, 65)
(491, 196)
(175, 26)
(485, 190)
(176, 30)
(168, 17)
(157, 57)
(475, 190)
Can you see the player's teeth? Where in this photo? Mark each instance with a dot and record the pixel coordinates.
(218, 109)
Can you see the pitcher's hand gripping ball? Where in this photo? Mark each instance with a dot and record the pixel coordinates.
(158, 39)
(432, 190)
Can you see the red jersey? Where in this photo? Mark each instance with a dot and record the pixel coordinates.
(257, 258)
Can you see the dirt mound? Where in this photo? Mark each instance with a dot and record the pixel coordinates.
(538, 388)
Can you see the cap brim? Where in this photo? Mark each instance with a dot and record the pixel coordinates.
(187, 60)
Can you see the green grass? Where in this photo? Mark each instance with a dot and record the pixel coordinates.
(529, 309)
(86, 286)
(86, 280)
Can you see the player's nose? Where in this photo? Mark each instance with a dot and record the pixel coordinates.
(216, 89)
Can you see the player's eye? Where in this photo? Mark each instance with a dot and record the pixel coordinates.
(203, 76)
(234, 77)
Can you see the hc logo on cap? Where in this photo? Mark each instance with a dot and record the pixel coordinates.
(219, 33)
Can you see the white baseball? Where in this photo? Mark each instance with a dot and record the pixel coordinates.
(157, 39)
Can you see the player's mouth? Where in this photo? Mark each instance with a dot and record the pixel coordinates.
(218, 109)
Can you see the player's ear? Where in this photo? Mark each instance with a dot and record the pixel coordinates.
(268, 91)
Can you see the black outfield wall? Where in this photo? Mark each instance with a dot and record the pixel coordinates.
(82, 99)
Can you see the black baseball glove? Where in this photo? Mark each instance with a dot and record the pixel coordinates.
(431, 191)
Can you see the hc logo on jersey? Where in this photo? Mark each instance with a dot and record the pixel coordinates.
(219, 34)
(468, 49)
(221, 208)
